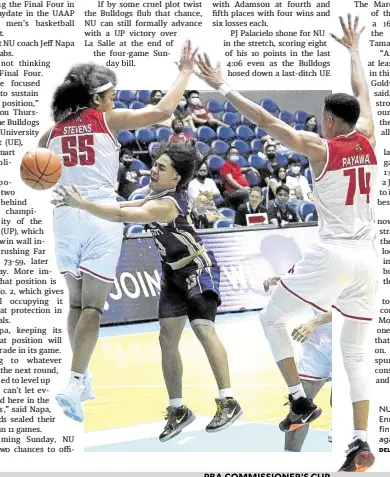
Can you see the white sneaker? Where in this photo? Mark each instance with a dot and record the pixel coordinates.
(69, 400)
(330, 436)
(87, 394)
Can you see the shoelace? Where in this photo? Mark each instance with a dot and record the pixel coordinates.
(219, 412)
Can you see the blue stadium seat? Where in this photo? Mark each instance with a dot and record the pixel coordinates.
(153, 146)
(144, 181)
(214, 106)
(270, 106)
(202, 147)
(205, 133)
(302, 159)
(215, 163)
(218, 200)
(307, 173)
(119, 105)
(133, 229)
(306, 209)
(309, 218)
(136, 105)
(227, 212)
(138, 165)
(225, 133)
(252, 178)
(256, 161)
(222, 223)
(143, 95)
(260, 132)
(189, 131)
(138, 196)
(256, 145)
(246, 121)
(220, 147)
(299, 127)
(145, 135)
(232, 119)
(163, 134)
(300, 116)
(242, 162)
(229, 108)
(280, 159)
(245, 133)
(287, 117)
(125, 137)
(126, 96)
(241, 146)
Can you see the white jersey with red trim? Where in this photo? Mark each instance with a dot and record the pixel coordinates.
(343, 191)
(89, 153)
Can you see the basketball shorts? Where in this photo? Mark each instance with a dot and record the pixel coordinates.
(86, 244)
(315, 360)
(178, 286)
(336, 274)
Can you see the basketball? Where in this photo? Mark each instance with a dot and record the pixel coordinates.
(40, 168)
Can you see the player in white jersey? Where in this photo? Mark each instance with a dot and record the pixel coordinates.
(88, 248)
(341, 271)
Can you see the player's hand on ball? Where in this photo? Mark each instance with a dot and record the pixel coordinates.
(68, 197)
(212, 76)
(187, 58)
(351, 34)
(302, 332)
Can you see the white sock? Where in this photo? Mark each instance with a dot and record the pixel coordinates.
(177, 402)
(227, 392)
(358, 434)
(297, 391)
(87, 374)
(76, 376)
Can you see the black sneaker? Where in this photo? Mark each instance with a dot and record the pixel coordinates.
(228, 411)
(178, 418)
(359, 457)
(302, 411)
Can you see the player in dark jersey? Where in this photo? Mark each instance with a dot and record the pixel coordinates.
(189, 282)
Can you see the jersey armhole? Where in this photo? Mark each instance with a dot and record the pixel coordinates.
(49, 137)
(317, 179)
(109, 130)
(172, 199)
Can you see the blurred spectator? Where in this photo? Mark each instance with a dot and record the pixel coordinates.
(128, 180)
(182, 112)
(315, 216)
(155, 97)
(200, 114)
(292, 196)
(280, 148)
(202, 183)
(269, 169)
(253, 206)
(311, 124)
(297, 181)
(203, 212)
(279, 211)
(178, 134)
(235, 184)
(278, 178)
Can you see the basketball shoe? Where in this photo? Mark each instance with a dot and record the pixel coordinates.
(178, 418)
(87, 394)
(70, 399)
(302, 411)
(228, 411)
(359, 457)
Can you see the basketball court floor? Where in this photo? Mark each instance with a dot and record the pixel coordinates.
(128, 412)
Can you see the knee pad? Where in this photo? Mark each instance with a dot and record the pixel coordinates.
(93, 308)
(202, 309)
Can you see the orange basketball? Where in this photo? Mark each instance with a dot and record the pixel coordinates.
(40, 168)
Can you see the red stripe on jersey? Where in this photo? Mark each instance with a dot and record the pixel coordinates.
(302, 299)
(349, 151)
(351, 316)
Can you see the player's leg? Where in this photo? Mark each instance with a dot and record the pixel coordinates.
(74, 287)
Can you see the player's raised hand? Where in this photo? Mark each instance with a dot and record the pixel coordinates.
(67, 197)
(187, 58)
(212, 76)
(351, 33)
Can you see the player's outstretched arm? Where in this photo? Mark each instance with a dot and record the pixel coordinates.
(306, 143)
(151, 211)
(138, 118)
(302, 332)
(350, 39)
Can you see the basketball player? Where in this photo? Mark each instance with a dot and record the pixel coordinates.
(88, 248)
(314, 365)
(342, 270)
(189, 282)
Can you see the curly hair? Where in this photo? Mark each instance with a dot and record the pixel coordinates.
(344, 107)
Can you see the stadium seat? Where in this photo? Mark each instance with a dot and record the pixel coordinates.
(218, 201)
(189, 131)
(270, 106)
(125, 137)
(246, 121)
(280, 159)
(119, 105)
(126, 96)
(229, 108)
(259, 133)
(227, 212)
(245, 133)
(220, 147)
(225, 133)
(307, 173)
(300, 116)
(133, 229)
(299, 127)
(306, 209)
(232, 119)
(214, 106)
(241, 146)
(252, 178)
(144, 181)
(256, 161)
(256, 145)
(143, 95)
(242, 162)
(205, 133)
(202, 147)
(302, 159)
(163, 134)
(145, 135)
(309, 218)
(287, 117)
(153, 146)
(215, 163)
(136, 105)
(222, 223)
(138, 165)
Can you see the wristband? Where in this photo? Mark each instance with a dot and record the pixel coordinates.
(224, 89)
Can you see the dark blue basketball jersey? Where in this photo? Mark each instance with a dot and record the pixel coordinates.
(178, 240)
